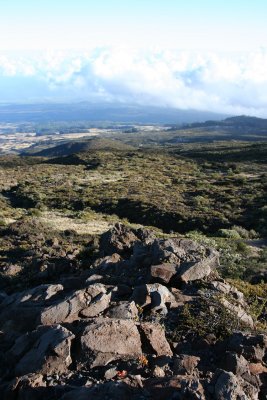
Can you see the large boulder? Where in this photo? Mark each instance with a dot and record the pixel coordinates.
(20, 312)
(87, 302)
(108, 339)
(66, 309)
(46, 351)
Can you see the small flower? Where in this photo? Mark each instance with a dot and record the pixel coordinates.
(143, 361)
(121, 374)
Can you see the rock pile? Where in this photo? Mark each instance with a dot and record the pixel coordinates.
(151, 318)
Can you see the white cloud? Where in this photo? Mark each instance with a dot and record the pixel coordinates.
(218, 82)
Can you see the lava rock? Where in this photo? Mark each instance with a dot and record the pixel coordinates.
(109, 339)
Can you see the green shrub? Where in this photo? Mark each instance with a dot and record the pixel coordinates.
(229, 233)
(205, 317)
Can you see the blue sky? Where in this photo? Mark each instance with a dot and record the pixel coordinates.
(207, 55)
(192, 24)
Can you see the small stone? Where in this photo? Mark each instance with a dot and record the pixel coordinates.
(111, 373)
(257, 368)
(158, 372)
(185, 364)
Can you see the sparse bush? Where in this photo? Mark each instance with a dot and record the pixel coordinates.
(205, 317)
(229, 233)
(243, 233)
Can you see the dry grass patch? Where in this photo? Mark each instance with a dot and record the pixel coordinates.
(56, 221)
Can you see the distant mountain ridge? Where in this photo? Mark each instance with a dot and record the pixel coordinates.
(104, 112)
(233, 128)
(236, 122)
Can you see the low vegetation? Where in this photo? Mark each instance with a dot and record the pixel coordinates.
(98, 234)
(214, 194)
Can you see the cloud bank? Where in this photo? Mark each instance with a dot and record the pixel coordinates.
(219, 82)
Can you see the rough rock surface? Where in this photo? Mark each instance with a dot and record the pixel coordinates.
(124, 310)
(97, 306)
(155, 335)
(164, 271)
(46, 350)
(109, 339)
(147, 318)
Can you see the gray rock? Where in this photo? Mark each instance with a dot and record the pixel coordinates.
(158, 372)
(230, 387)
(155, 335)
(234, 363)
(193, 271)
(37, 295)
(87, 302)
(185, 364)
(111, 373)
(252, 347)
(239, 312)
(124, 310)
(141, 255)
(66, 310)
(12, 270)
(163, 272)
(20, 312)
(107, 262)
(160, 297)
(120, 239)
(110, 339)
(166, 251)
(46, 351)
(99, 304)
(156, 295)
(226, 288)
(227, 387)
(95, 289)
(95, 278)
